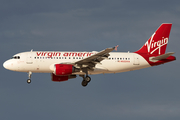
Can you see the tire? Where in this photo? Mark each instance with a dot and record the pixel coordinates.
(29, 81)
(84, 83)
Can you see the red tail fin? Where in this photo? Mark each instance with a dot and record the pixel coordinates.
(158, 41)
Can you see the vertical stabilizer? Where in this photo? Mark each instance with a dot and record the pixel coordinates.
(157, 43)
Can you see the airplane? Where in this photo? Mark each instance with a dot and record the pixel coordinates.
(64, 65)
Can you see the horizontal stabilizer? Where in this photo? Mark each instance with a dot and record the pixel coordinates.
(164, 56)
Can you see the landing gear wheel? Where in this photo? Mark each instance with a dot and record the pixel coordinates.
(88, 79)
(29, 75)
(29, 81)
(84, 83)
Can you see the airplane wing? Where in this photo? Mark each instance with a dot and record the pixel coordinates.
(91, 61)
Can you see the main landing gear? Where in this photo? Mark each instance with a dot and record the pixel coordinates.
(85, 81)
(29, 75)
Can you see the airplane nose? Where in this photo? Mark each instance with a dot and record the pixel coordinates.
(5, 65)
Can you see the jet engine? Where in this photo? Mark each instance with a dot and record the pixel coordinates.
(64, 69)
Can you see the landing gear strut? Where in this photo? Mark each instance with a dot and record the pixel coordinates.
(29, 75)
(86, 79)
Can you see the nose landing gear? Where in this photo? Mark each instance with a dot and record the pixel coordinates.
(29, 75)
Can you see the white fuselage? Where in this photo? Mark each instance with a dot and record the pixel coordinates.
(44, 61)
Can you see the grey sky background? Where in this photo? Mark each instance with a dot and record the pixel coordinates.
(88, 25)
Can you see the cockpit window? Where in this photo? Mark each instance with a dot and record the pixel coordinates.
(16, 57)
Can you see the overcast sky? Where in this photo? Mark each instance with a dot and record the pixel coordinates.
(88, 25)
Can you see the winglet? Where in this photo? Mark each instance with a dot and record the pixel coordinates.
(115, 48)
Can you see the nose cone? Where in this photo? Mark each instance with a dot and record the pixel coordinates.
(7, 64)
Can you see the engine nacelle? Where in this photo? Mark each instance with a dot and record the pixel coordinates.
(63, 69)
(56, 78)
